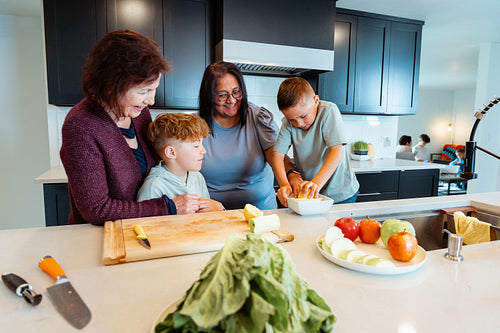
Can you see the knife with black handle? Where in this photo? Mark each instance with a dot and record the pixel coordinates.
(21, 288)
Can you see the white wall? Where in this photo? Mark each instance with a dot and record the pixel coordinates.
(436, 110)
(23, 129)
(487, 134)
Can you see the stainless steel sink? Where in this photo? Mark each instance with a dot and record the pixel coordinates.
(429, 225)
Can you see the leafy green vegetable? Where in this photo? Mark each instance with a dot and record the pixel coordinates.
(249, 286)
(360, 145)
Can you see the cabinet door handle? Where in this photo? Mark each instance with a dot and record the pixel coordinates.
(368, 172)
(367, 194)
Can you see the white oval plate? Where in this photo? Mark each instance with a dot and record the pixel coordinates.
(379, 250)
(161, 317)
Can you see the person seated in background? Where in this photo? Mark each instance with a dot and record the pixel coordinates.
(404, 144)
(420, 149)
(177, 138)
(460, 153)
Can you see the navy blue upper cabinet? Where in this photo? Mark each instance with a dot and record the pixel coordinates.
(71, 29)
(187, 46)
(181, 28)
(372, 65)
(376, 67)
(338, 85)
(404, 68)
(143, 16)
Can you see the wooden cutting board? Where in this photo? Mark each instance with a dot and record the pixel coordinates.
(173, 235)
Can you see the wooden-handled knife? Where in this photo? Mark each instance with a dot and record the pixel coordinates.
(65, 298)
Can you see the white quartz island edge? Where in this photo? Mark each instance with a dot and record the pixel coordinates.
(442, 296)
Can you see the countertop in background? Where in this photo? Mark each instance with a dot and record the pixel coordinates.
(57, 175)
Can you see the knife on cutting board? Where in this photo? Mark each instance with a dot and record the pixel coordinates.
(21, 288)
(65, 298)
(141, 236)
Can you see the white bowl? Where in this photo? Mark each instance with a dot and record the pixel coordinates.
(316, 206)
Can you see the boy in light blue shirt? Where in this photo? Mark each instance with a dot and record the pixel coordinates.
(315, 130)
(177, 138)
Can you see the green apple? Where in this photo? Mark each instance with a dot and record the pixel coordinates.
(391, 226)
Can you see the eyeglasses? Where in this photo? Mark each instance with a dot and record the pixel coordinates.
(222, 97)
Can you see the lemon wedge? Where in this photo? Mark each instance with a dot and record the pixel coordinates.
(250, 212)
(304, 196)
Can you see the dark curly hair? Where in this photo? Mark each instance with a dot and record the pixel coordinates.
(120, 60)
(207, 91)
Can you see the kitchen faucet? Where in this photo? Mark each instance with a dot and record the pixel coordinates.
(470, 146)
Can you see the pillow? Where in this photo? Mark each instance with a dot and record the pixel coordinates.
(448, 153)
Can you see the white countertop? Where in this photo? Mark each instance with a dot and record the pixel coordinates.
(442, 296)
(54, 175)
(57, 174)
(384, 164)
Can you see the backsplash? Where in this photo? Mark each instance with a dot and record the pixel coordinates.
(381, 131)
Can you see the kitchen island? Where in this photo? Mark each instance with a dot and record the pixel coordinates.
(441, 296)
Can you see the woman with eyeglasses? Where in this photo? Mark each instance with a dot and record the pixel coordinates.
(239, 148)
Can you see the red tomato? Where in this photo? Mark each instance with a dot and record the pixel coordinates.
(402, 246)
(349, 227)
(369, 231)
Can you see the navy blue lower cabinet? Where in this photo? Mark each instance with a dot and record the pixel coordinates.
(397, 184)
(56, 202)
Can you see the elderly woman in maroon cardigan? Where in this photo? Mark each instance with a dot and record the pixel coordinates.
(104, 151)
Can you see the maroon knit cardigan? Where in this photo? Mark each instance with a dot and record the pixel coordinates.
(103, 174)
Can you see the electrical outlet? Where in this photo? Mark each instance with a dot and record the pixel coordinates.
(387, 141)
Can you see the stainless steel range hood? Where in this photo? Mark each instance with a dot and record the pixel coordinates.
(278, 37)
(254, 57)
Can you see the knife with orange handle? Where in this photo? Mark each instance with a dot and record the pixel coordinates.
(64, 297)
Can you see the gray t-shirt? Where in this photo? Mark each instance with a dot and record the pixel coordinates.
(161, 181)
(235, 168)
(310, 149)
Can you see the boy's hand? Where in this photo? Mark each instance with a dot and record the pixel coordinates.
(186, 203)
(309, 189)
(283, 193)
(209, 205)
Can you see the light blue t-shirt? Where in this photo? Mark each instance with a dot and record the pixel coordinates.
(310, 149)
(160, 181)
(235, 168)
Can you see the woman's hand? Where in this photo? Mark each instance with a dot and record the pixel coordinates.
(283, 193)
(187, 203)
(209, 205)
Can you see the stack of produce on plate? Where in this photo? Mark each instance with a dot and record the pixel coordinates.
(397, 235)
(250, 285)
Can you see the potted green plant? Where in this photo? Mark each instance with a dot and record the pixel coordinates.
(360, 148)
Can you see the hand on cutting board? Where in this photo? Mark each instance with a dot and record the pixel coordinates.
(209, 205)
(187, 203)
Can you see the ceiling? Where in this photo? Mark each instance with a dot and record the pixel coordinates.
(451, 36)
